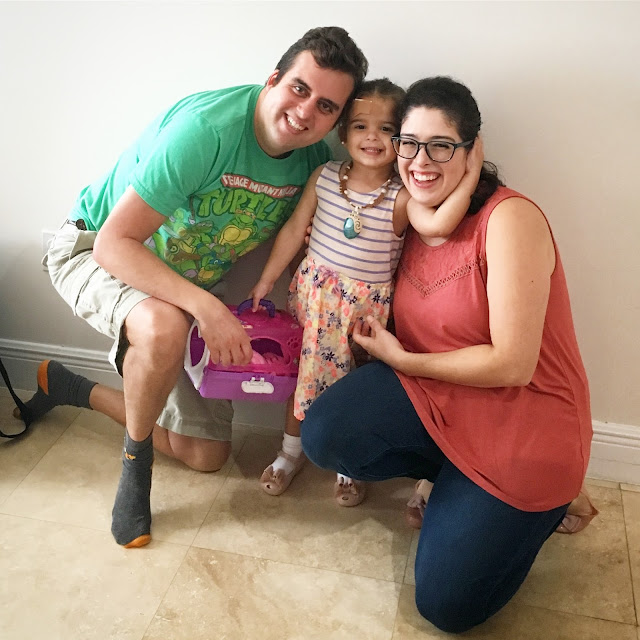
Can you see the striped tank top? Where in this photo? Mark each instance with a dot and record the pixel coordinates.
(372, 256)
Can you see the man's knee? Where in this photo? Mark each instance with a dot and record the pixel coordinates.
(203, 455)
(158, 328)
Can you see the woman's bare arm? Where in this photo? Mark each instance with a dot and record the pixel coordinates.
(520, 261)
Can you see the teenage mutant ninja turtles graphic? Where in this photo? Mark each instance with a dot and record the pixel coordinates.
(202, 240)
(202, 253)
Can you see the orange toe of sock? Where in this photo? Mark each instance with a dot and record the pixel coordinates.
(140, 541)
(43, 378)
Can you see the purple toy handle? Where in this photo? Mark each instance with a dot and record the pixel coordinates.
(267, 304)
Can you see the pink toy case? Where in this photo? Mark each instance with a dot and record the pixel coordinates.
(276, 340)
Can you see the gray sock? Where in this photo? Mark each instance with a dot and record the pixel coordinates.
(131, 515)
(57, 385)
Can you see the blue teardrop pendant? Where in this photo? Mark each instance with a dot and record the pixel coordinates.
(352, 224)
(348, 228)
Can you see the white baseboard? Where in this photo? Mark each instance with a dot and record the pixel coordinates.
(21, 359)
(615, 450)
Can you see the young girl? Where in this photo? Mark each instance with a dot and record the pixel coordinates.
(359, 212)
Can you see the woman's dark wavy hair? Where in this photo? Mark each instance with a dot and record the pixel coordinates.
(381, 88)
(459, 106)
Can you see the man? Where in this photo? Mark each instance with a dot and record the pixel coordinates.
(209, 180)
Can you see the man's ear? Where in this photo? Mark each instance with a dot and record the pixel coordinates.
(272, 80)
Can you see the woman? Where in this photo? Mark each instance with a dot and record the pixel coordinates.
(482, 392)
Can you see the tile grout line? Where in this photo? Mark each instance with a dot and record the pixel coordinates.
(235, 457)
(164, 594)
(626, 537)
(395, 618)
(406, 563)
(400, 582)
(290, 564)
(577, 615)
(36, 463)
(301, 566)
(71, 525)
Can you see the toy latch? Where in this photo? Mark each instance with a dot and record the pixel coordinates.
(256, 386)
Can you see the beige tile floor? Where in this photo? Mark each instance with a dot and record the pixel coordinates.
(229, 562)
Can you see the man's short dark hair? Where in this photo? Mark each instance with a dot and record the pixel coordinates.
(332, 48)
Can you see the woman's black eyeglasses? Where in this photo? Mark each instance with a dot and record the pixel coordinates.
(437, 150)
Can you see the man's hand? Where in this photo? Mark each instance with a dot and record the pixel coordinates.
(379, 342)
(225, 337)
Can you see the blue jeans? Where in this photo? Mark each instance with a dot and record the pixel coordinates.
(474, 550)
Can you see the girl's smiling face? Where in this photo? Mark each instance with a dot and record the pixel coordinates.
(368, 131)
(429, 182)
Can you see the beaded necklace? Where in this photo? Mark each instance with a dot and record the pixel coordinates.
(352, 224)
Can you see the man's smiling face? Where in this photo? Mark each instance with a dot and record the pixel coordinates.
(300, 108)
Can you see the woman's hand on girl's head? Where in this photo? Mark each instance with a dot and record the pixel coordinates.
(475, 160)
(379, 342)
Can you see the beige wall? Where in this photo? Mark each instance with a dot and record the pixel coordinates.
(558, 84)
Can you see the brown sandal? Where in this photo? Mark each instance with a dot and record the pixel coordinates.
(276, 482)
(579, 514)
(349, 493)
(414, 513)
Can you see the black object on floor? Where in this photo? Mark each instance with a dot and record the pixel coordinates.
(25, 414)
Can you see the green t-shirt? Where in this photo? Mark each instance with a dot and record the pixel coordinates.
(200, 165)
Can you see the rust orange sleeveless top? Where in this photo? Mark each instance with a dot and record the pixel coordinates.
(527, 446)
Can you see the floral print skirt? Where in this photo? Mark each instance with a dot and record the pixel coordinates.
(327, 304)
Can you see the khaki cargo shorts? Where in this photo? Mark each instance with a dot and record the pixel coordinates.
(105, 302)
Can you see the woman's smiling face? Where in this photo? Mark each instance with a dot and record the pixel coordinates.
(429, 182)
